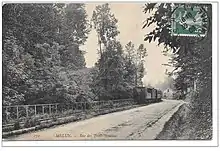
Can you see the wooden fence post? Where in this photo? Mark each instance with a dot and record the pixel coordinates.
(17, 113)
(43, 109)
(56, 108)
(99, 106)
(66, 107)
(85, 106)
(35, 110)
(6, 111)
(77, 107)
(73, 106)
(26, 110)
(49, 109)
(80, 104)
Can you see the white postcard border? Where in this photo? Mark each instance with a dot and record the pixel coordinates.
(215, 88)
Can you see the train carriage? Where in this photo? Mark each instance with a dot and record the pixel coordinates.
(159, 94)
(148, 92)
(154, 93)
(147, 95)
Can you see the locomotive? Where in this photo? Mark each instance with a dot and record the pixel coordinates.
(145, 95)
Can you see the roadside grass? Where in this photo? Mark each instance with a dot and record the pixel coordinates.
(190, 122)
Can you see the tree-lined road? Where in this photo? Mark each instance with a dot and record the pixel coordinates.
(139, 123)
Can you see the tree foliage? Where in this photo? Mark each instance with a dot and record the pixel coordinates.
(44, 63)
(118, 70)
(135, 59)
(192, 59)
(40, 42)
(105, 24)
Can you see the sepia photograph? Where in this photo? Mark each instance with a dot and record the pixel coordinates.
(107, 71)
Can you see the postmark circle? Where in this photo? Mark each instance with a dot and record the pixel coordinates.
(190, 20)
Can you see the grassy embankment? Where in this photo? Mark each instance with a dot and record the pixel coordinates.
(190, 122)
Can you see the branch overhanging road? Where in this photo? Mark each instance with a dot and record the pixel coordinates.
(142, 123)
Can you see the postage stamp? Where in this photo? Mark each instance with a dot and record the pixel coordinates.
(189, 20)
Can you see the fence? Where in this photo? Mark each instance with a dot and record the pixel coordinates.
(22, 112)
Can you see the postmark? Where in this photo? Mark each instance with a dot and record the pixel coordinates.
(189, 20)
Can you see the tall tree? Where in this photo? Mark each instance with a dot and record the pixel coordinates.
(105, 25)
(130, 66)
(110, 79)
(135, 63)
(73, 33)
(140, 56)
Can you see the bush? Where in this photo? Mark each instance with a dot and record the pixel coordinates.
(54, 117)
(17, 125)
(31, 122)
(8, 128)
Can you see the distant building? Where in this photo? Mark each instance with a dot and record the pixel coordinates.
(168, 93)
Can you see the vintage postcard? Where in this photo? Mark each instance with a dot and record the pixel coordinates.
(109, 71)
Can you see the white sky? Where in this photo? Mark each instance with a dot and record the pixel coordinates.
(130, 21)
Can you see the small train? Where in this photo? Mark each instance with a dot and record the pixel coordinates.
(145, 95)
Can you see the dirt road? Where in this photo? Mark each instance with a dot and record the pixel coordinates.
(138, 123)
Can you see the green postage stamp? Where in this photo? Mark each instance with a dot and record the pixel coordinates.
(189, 20)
